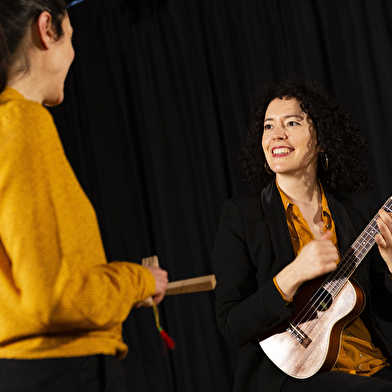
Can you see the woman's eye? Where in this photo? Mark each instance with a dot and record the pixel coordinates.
(267, 127)
(292, 123)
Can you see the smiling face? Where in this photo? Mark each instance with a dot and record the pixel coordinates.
(289, 139)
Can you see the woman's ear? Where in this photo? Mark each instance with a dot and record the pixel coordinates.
(45, 31)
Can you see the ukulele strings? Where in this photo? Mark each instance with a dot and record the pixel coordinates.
(355, 254)
(344, 271)
(322, 296)
(311, 310)
(336, 281)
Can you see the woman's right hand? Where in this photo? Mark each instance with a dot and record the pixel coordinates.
(161, 281)
(317, 258)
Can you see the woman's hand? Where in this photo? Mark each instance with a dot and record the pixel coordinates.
(317, 258)
(161, 281)
(384, 239)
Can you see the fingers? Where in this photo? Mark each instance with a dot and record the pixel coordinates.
(384, 223)
(324, 248)
(384, 239)
(158, 298)
(161, 281)
(317, 258)
(325, 236)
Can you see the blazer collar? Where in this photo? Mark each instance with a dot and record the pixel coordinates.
(345, 232)
(277, 226)
(279, 232)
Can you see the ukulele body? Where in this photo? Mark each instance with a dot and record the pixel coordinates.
(303, 348)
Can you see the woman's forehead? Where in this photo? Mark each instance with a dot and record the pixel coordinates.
(284, 106)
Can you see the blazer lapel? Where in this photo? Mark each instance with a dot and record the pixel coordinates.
(277, 225)
(279, 232)
(345, 232)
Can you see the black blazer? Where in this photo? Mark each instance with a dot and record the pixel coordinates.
(252, 245)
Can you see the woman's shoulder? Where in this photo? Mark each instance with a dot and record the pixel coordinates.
(22, 120)
(358, 205)
(246, 207)
(14, 108)
(244, 200)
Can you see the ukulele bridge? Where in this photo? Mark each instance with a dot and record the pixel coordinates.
(299, 335)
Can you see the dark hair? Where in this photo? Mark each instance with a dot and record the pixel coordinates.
(338, 137)
(16, 16)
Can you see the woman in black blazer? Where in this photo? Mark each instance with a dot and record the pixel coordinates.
(301, 146)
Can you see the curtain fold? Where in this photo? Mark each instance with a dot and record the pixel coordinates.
(157, 104)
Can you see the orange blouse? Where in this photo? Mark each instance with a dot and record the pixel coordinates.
(357, 353)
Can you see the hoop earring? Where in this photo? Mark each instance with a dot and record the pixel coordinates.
(267, 168)
(324, 163)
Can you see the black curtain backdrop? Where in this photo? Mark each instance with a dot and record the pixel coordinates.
(157, 104)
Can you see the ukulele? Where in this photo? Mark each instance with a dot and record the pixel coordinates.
(309, 341)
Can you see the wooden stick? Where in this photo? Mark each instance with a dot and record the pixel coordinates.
(151, 261)
(193, 285)
(185, 286)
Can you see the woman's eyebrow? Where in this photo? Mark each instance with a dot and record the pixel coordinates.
(286, 117)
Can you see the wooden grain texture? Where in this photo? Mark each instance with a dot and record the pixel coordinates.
(185, 286)
(324, 329)
(193, 285)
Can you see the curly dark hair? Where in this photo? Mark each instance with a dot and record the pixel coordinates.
(337, 136)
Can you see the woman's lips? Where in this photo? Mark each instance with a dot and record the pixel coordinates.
(281, 151)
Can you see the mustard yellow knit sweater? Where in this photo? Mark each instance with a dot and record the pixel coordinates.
(58, 295)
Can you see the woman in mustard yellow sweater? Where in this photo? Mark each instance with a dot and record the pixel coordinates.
(62, 304)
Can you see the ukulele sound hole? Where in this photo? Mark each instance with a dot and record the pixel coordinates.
(322, 300)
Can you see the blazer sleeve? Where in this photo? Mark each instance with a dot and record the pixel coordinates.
(248, 304)
(381, 280)
(380, 287)
(377, 280)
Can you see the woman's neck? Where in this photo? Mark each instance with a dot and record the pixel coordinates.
(30, 83)
(300, 191)
(307, 196)
(28, 86)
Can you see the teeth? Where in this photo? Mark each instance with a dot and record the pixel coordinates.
(279, 151)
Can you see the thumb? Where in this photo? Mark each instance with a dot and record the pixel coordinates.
(326, 236)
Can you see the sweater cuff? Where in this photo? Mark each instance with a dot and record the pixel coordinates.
(146, 280)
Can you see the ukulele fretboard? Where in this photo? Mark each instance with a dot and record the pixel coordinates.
(353, 257)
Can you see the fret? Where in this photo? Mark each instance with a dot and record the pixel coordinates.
(311, 340)
(355, 254)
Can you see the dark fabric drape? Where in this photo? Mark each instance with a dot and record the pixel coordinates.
(157, 103)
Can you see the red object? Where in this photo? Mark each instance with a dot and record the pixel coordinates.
(167, 339)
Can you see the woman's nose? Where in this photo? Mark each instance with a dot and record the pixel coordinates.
(280, 133)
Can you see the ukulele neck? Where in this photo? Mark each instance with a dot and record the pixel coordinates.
(355, 254)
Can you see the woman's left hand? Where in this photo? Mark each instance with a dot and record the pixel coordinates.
(384, 240)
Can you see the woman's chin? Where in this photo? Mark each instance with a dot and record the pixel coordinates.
(55, 100)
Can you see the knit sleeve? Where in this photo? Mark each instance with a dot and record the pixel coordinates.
(53, 269)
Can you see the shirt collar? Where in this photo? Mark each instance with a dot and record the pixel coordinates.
(287, 203)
